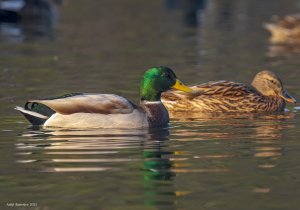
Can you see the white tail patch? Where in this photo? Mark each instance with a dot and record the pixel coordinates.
(30, 112)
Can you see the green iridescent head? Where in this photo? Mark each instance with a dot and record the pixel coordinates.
(157, 80)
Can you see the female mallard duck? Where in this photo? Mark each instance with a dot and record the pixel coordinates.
(266, 94)
(285, 30)
(107, 110)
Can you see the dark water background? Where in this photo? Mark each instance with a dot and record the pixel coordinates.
(222, 162)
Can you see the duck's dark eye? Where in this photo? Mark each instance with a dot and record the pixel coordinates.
(166, 74)
(274, 82)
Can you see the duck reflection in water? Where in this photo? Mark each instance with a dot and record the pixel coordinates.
(158, 165)
(155, 165)
(27, 19)
(57, 146)
(97, 150)
(269, 135)
(117, 151)
(264, 133)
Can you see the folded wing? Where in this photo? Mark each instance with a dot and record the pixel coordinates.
(89, 103)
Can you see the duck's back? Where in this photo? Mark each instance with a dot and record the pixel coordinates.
(221, 96)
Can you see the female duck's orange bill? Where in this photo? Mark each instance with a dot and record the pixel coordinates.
(287, 97)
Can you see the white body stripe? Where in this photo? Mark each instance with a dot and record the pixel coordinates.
(136, 119)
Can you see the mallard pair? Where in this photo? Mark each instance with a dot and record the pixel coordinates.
(81, 110)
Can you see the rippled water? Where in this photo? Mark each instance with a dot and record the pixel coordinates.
(200, 162)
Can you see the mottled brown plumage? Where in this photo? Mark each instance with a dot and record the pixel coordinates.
(265, 94)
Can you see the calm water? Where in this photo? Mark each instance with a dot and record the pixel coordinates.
(213, 162)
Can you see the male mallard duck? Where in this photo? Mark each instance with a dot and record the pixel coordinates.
(107, 110)
(266, 93)
(285, 30)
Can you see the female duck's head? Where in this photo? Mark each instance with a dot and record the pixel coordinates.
(268, 84)
(157, 80)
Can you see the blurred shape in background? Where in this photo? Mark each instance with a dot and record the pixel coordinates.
(27, 19)
(285, 35)
(285, 30)
(192, 10)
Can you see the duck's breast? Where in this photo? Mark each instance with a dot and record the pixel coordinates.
(157, 113)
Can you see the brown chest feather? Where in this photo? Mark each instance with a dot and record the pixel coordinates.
(157, 114)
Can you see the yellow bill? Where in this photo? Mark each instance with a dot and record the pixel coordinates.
(179, 86)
